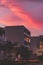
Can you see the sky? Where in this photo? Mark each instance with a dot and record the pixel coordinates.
(23, 12)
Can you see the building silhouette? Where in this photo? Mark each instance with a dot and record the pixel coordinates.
(16, 41)
(40, 50)
(37, 45)
(18, 34)
(34, 43)
(12, 40)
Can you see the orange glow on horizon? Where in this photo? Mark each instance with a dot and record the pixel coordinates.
(6, 23)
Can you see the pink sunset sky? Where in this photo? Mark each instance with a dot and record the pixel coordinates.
(23, 12)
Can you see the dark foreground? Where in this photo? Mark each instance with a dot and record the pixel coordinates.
(20, 63)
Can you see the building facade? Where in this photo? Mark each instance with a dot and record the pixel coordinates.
(41, 42)
(34, 44)
(18, 34)
(40, 50)
(13, 38)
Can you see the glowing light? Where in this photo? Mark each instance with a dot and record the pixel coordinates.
(41, 44)
(27, 39)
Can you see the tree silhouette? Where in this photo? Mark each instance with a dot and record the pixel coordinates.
(8, 48)
(2, 31)
(24, 52)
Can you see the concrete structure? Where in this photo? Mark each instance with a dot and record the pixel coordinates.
(37, 45)
(18, 34)
(34, 44)
(41, 42)
(2, 33)
(40, 50)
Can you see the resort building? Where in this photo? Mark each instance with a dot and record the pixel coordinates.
(18, 34)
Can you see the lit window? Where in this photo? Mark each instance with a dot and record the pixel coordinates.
(27, 39)
(41, 44)
(41, 47)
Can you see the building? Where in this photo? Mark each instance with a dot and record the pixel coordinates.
(41, 42)
(34, 44)
(20, 38)
(40, 50)
(18, 34)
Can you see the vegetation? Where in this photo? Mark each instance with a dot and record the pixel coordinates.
(24, 52)
(2, 31)
(40, 58)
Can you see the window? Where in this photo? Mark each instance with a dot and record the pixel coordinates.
(41, 44)
(27, 39)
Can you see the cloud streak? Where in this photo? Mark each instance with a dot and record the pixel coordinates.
(19, 12)
(19, 16)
